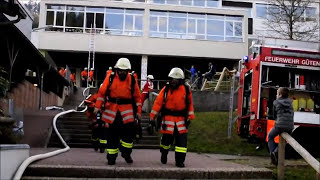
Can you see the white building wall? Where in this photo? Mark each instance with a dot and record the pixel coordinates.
(142, 45)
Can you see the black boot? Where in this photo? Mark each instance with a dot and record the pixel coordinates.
(95, 145)
(164, 158)
(180, 164)
(180, 158)
(127, 158)
(112, 159)
(102, 149)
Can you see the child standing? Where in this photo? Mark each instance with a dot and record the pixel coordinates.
(284, 121)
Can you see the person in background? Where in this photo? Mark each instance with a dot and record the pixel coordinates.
(62, 72)
(91, 77)
(147, 88)
(84, 77)
(211, 72)
(283, 111)
(193, 74)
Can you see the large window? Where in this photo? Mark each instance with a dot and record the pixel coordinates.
(124, 22)
(266, 11)
(94, 19)
(198, 3)
(55, 17)
(114, 21)
(195, 26)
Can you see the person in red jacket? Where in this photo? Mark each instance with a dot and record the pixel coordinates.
(84, 77)
(176, 106)
(62, 72)
(120, 94)
(147, 88)
(91, 77)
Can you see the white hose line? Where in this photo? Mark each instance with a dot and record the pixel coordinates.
(31, 159)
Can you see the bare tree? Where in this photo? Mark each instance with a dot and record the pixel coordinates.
(293, 19)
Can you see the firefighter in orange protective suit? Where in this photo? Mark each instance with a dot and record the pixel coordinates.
(91, 77)
(174, 102)
(121, 95)
(84, 77)
(98, 127)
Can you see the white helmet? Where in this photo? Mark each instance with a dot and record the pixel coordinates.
(85, 68)
(176, 73)
(123, 63)
(91, 69)
(150, 77)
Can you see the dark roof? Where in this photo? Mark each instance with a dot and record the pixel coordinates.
(28, 57)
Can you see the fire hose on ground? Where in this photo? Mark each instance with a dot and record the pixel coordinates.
(31, 159)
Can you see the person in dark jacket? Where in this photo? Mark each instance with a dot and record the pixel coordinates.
(284, 120)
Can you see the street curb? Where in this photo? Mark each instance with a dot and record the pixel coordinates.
(164, 173)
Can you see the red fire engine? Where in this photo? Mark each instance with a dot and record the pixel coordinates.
(261, 75)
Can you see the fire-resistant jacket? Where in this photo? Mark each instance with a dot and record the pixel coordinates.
(176, 102)
(91, 103)
(84, 74)
(147, 87)
(91, 75)
(120, 91)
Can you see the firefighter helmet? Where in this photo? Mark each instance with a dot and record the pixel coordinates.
(176, 73)
(150, 77)
(123, 63)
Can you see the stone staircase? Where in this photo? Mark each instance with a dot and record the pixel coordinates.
(74, 128)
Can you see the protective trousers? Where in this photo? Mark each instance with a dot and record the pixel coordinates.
(95, 138)
(120, 136)
(180, 145)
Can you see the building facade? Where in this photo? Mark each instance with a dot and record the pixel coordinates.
(156, 35)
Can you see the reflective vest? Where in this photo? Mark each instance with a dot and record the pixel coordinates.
(173, 106)
(117, 97)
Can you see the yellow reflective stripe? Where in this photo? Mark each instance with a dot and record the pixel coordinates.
(169, 123)
(165, 147)
(112, 151)
(94, 139)
(103, 141)
(181, 149)
(128, 117)
(154, 112)
(100, 99)
(127, 111)
(110, 112)
(126, 145)
(181, 128)
(108, 117)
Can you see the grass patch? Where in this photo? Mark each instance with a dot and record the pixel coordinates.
(301, 172)
(208, 133)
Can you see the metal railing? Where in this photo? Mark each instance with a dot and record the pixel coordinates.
(285, 137)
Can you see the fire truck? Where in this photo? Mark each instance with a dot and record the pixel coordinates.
(262, 73)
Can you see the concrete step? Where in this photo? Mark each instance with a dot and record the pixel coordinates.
(144, 172)
(67, 122)
(73, 126)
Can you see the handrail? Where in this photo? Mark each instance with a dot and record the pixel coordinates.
(31, 159)
(285, 137)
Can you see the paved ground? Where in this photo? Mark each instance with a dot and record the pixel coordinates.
(146, 164)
